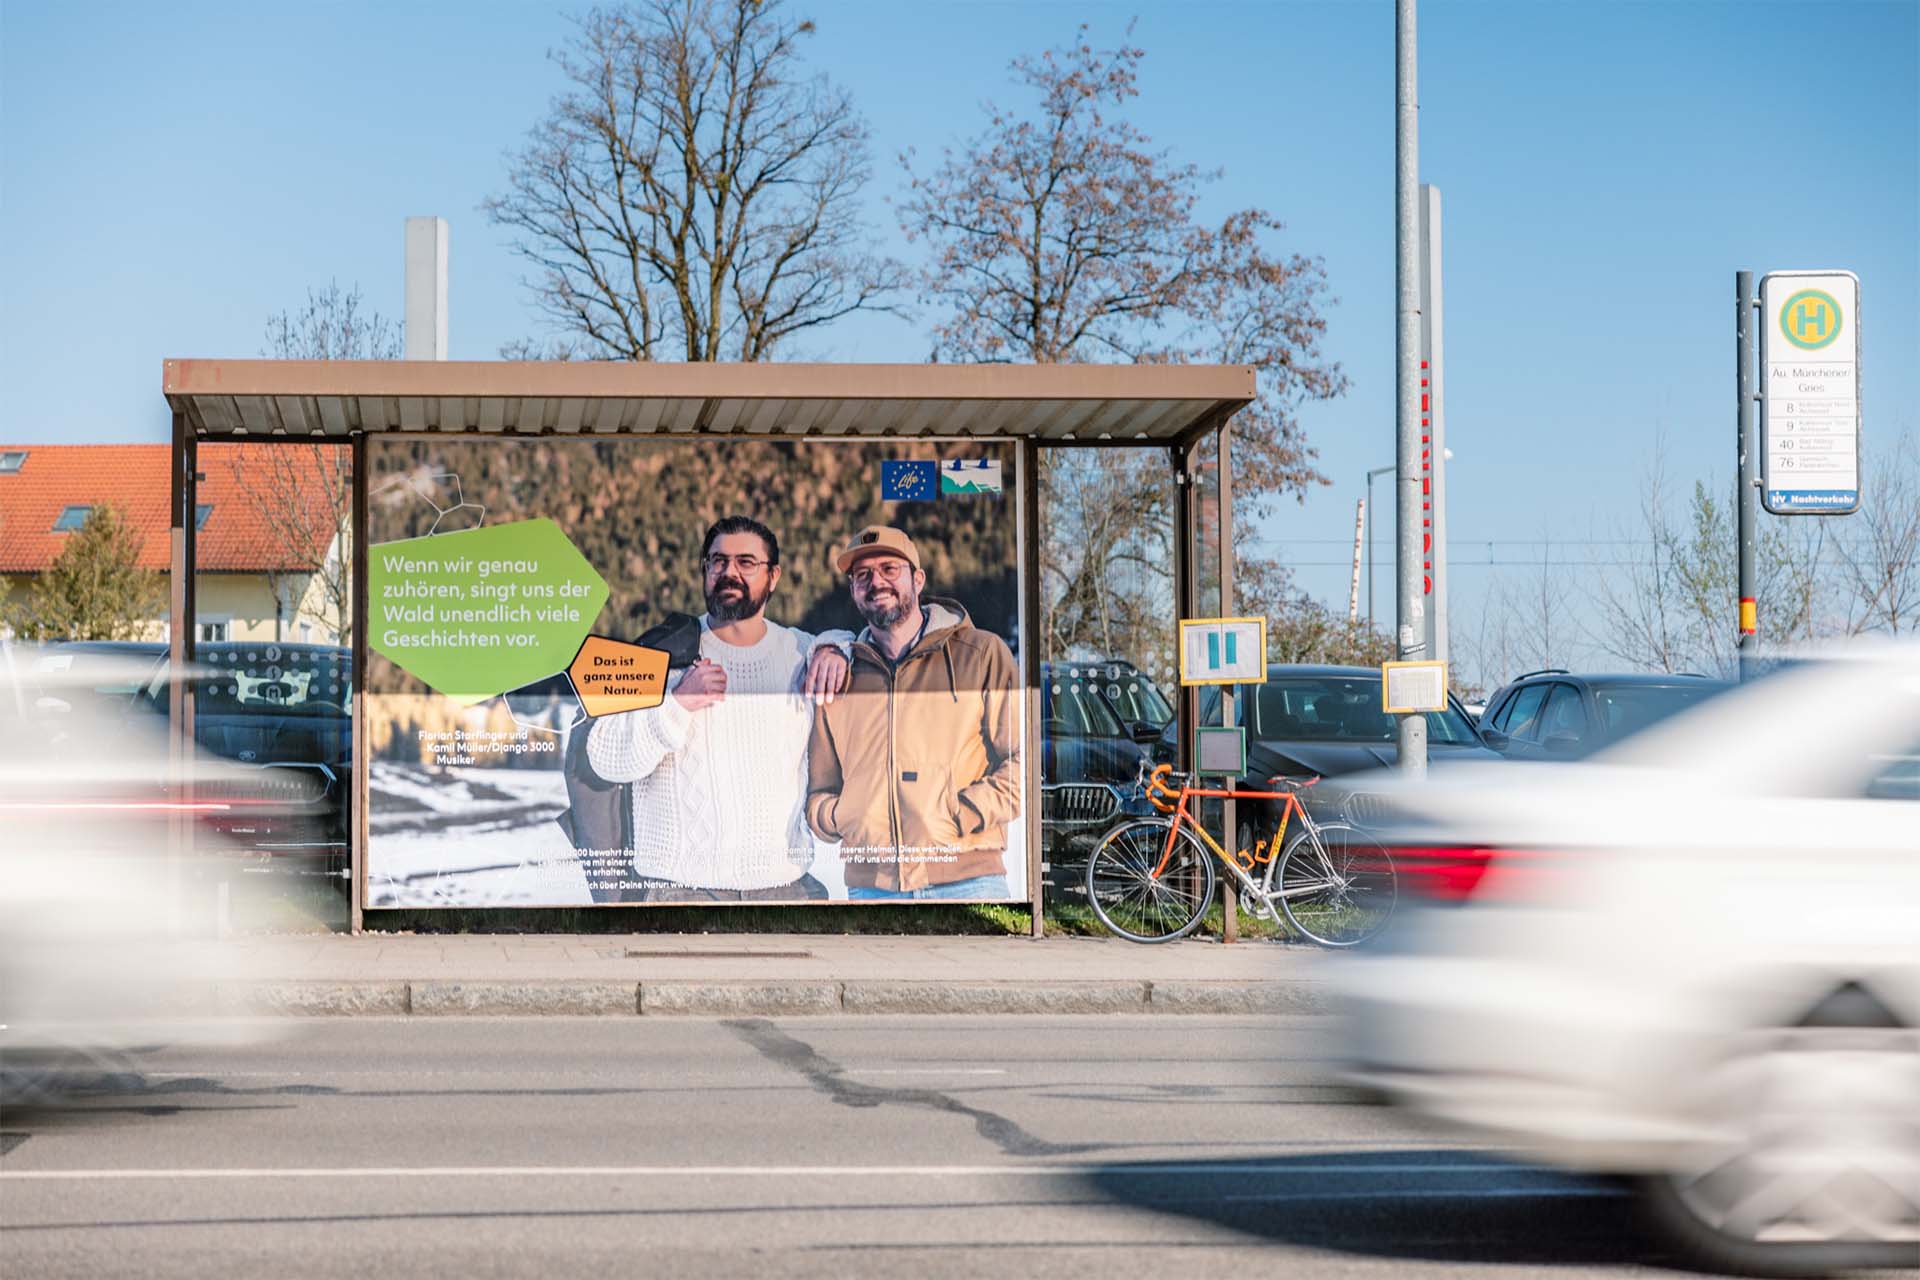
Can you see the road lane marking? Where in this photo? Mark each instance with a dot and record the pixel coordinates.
(923, 1071)
(1465, 1193)
(214, 1073)
(751, 1171)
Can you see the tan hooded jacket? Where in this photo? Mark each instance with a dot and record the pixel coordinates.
(915, 770)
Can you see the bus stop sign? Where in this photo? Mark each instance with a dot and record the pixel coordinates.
(1810, 392)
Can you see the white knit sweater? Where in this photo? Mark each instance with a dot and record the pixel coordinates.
(719, 795)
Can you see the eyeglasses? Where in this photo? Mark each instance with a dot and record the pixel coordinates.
(748, 565)
(891, 570)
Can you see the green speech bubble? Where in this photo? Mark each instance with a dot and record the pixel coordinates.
(483, 611)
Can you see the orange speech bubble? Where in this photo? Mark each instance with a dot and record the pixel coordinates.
(612, 676)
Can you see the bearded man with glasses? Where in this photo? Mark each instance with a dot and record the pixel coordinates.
(915, 770)
(719, 768)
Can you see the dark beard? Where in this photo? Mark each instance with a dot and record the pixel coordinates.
(886, 616)
(741, 607)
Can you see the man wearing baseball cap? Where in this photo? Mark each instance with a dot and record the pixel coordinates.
(916, 769)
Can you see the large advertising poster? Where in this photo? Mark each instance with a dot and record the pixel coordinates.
(693, 671)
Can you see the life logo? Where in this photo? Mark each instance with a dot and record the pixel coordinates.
(1810, 319)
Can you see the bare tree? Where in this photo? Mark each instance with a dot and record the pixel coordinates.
(1640, 618)
(1672, 602)
(332, 326)
(1879, 554)
(1527, 622)
(1482, 653)
(693, 193)
(1062, 235)
(302, 493)
(1098, 585)
(1546, 609)
(1300, 628)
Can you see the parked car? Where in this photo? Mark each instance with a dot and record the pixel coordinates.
(1132, 696)
(284, 710)
(1692, 960)
(1555, 715)
(1098, 722)
(1325, 721)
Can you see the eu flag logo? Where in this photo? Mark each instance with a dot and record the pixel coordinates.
(909, 481)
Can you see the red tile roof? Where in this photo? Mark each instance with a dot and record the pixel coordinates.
(237, 536)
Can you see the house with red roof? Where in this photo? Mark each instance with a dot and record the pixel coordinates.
(271, 522)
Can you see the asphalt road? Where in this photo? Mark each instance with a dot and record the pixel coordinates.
(474, 1148)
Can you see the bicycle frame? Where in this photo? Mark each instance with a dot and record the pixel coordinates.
(1290, 807)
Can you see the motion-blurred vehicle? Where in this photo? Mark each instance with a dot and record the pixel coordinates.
(1693, 960)
(107, 671)
(1556, 715)
(1098, 721)
(100, 859)
(285, 711)
(1325, 721)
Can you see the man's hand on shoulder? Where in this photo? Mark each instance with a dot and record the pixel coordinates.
(703, 684)
(826, 674)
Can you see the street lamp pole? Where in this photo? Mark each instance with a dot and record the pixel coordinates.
(1377, 471)
(1411, 642)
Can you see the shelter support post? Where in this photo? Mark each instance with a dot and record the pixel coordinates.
(362, 746)
(1031, 642)
(1230, 819)
(180, 637)
(1186, 704)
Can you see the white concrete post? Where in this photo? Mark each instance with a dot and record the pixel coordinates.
(426, 277)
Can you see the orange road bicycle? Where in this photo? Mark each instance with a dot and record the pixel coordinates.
(1151, 879)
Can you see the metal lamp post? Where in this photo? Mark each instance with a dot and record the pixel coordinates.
(1380, 471)
(1377, 471)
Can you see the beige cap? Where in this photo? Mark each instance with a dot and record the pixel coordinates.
(872, 540)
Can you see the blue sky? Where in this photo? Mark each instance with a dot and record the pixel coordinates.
(172, 175)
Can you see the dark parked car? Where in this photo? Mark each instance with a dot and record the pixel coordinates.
(1098, 721)
(1325, 721)
(287, 711)
(1555, 715)
(1134, 699)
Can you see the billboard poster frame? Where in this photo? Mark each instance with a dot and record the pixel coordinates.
(1811, 393)
(1012, 458)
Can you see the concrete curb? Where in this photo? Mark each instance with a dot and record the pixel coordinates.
(738, 999)
(782, 998)
(314, 999)
(513, 999)
(994, 997)
(1239, 997)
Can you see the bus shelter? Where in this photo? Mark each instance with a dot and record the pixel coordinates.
(521, 464)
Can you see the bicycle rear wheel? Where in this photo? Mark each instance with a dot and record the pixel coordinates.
(1135, 903)
(1339, 890)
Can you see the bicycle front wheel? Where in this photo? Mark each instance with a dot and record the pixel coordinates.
(1131, 899)
(1338, 890)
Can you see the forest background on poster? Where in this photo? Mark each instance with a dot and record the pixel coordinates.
(637, 509)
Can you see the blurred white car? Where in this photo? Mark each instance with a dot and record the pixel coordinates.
(1694, 960)
(101, 949)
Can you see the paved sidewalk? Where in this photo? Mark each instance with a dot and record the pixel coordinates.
(734, 974)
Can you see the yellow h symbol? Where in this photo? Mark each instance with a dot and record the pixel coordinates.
(1810, 319)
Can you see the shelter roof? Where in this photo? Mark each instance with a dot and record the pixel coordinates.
(1098, 402)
